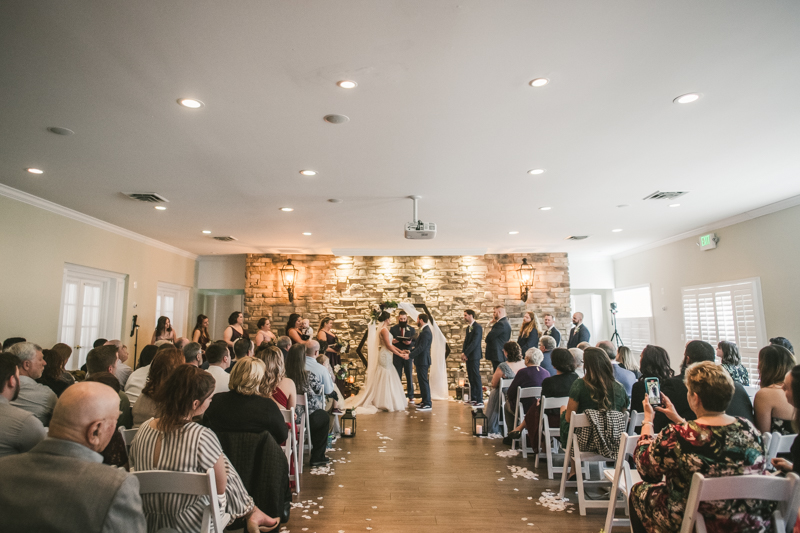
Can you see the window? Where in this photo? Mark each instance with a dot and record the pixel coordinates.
(729, 311)
(634, 317)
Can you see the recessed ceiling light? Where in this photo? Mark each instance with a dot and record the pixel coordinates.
(334, 200)
(306, 233)
(513, 232)
(161, 208)
(615, 230)
(674, 205)
(35, 170)
(623, 205)
(207, 232)
(308, 172)
(287, 209)
(539, 82)
(347, 84)
(536, 171)
(687, 98)
(545, 208)
(190, 103)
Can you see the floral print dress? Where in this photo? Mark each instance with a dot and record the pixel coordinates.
(738, 373)
(677, 453)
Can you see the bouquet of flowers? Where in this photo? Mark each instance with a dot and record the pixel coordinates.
(341, 372)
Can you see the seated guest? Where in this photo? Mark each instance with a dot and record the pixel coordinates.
(715, 445)
(164, 364)
(65, 352)
(655, 364)
(19, 430)
(773, 411)
(284, 343)
(164, 331)
(280, 388)
(313, 385)
(728, 353)
(577, 354)
(33, 397)
(791, 388)
(331, 404)
(596, 390)
(675, 388)
(193, 354)
(116, 453)
(583, 345)
(219, 359)
(627, 361)
(61, 485)
(181, 343)
(546, 345)
(53, 372)
(99, 342)
(528, 332)
(138, 378)
(11, 341)
(780, 341)
(531, 376)
(173, 442)
(243, 347)
(102, 359)
(125, 411)
(245, 408)
(123, 371)
(623, 375)
(507, 369)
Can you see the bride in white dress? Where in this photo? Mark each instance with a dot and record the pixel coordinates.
(383, 388)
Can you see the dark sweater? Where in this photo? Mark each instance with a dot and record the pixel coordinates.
(237, 413)
(530, 376)
(558, 386)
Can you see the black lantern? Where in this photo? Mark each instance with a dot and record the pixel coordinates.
(480, 424)
(348, 424)
(465, 395)
(526, 273)
(288, 277)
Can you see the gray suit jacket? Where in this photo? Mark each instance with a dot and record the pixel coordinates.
(63, 486)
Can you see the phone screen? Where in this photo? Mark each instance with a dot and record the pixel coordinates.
(653, 388)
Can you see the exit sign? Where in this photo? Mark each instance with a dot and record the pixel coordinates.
(708, 242)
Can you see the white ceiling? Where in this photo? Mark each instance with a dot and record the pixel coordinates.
(443, 109)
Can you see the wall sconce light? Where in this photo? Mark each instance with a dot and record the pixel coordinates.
(526, 273)
(288, 277)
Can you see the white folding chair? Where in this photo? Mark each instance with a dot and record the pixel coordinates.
(127, 436)
(195, 483)
(622, 478)
(305, 429)
(504, 384)
(786, 491)
(549, 435)
(776, 443)
(634, 422)
(519, 415)
(751, 392)
(290, 448)
(581, 465)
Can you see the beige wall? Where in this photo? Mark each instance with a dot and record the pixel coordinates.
(767, 247)
(34, 246)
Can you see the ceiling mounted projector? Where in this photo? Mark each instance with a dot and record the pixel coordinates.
(419, 229)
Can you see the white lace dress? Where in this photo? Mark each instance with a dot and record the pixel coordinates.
(384, 390)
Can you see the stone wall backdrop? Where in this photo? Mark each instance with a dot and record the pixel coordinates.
(345, 288)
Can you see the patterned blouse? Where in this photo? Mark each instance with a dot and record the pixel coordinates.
(316, 396)
(738, 373)
(192, 448)
(714, 451)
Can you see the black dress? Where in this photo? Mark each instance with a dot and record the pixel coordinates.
(238, 413)
(235, 335)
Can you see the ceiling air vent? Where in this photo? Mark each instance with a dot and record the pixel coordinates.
(225, 239)
(146, 197)
(658, 195)
(577, 237)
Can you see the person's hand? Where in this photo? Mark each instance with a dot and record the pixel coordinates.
(463, 357)
(668, 409)
(782, 464)
(257, 521)
(647, 409)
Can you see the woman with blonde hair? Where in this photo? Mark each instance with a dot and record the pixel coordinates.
(627, 361)
(528, 332)
(244, 408)
(276, 385)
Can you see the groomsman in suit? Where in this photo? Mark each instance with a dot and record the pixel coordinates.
(497, 337)
(551, 329)
(472, 355)
(421, 355)
(402, 329)
(579, 333)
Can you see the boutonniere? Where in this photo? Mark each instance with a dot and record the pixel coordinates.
(469, 329)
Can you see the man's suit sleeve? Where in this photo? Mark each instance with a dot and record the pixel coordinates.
(557, 336)
(423, 343)
(584, 335)
(125, 514)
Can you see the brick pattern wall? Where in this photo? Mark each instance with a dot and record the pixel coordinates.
(345, 287)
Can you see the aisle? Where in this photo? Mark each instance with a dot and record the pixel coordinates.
(425, 475)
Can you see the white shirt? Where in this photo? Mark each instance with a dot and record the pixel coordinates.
(37, 399)
(221, 377)
(123, 372)
(136, 382)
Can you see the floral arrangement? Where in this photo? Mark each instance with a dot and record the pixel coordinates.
(341, 371)
(376, 309)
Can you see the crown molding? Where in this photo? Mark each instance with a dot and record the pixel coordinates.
(41, 203)
(725, 222)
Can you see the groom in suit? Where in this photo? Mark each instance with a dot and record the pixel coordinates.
(421, 355)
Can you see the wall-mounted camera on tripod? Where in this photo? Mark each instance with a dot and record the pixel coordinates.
(615, 338)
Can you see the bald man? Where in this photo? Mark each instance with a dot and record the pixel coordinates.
(61, 484)
(579, 333)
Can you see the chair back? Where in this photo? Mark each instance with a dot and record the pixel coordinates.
(505, 383)
(127, 436)
(622, 472)
(635, 421)
(554, 403)
(751, 391)
(193, 483)
(785, 491)
(290, 447)
(529, 392)
(548, 434)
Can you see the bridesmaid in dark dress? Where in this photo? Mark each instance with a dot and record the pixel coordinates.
(293, 328)
(326, 334)
(528, 332)
(234, 331)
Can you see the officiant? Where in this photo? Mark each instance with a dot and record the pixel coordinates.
(403, 336)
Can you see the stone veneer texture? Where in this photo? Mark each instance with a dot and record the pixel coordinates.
(344, 288)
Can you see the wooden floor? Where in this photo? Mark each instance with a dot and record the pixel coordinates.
(430, 478)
